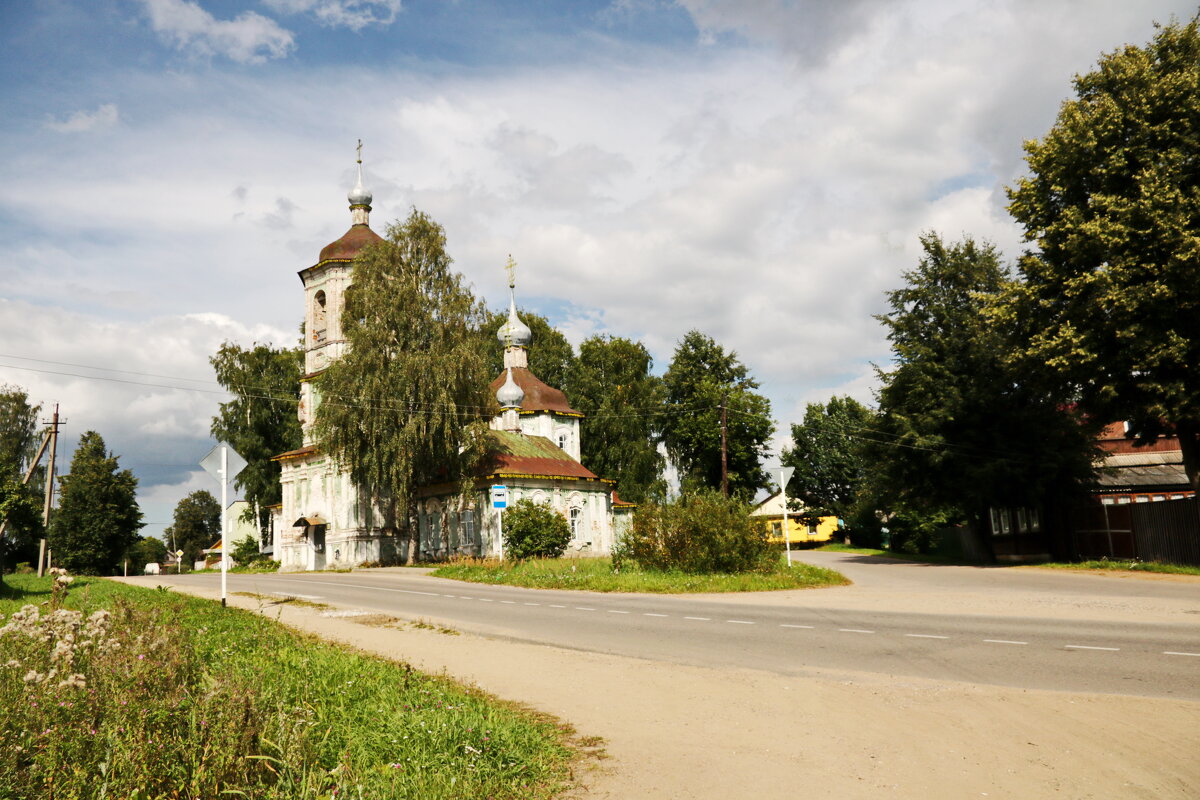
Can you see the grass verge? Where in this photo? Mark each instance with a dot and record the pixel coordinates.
(598, 575)
(1125, 566)
(136, 693)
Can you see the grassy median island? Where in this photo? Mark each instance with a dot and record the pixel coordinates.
(599, 575)
(118, 691)
(1125, 565)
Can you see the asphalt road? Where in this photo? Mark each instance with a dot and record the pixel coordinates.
(797, 633)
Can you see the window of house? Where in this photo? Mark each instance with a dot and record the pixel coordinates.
(1123, 500)
(812, 529)
(1035, 520)
(1142, 498)
(1000, 521)
(1158, 498)
(1022, 520)
(1108, 501)
(1176, 497)
(777, 528)
(562, 441)
(574, 516)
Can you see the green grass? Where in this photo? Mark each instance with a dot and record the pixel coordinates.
(176, 697)
(1126, 566)
(598, 575)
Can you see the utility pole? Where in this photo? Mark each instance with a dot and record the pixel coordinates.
(53, 434)
(724, 455)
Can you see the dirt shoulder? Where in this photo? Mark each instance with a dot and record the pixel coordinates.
(688, 732)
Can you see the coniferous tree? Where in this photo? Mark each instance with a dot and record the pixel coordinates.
(408, 403)
(701, 378)
(98, 516)
(959, 429)
(196, 526)
(621, 401)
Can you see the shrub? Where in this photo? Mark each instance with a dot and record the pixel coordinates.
(246, 552)
(533, 530)
(698, 533)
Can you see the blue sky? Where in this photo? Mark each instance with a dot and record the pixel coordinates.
(759, 170)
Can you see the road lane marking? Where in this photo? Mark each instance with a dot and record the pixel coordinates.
(924, 636)
(1004, 641)
(1176, 653)
(486, 600)
(581, 608)
(1089, 647)
(298, 596)
(785, 625)
(740, 621)
(614, 611)
(854, 630)
(700, 619)
(648, 614)
(509, 602)
(448, 595)
(533, 604)
(554, 606)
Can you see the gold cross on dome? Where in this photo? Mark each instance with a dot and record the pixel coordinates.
(511, 269)
(359, 150)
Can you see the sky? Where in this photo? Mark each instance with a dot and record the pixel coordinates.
(759, 170)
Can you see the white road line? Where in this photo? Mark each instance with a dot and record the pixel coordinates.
(298, 596)
(448, 595)
(1176, 653)
(464, 597)
(853, 630)
(740, 621)
(1088, 647)
(1003, 641)
(581, 608)
(785, 625)
(509, 602)
(614, 611)
(554, 606)
(533, 604)
(924, 636)
(700, 619)
(486, 600)
(648, 614)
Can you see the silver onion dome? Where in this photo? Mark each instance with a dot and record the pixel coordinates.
(509, 395)
(359, 196)
(514, 332)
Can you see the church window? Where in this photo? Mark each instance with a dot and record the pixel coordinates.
(562, 441)
(575, 515)
(319, 317)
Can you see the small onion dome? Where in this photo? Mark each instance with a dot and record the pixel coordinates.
(359, 196)
(514, 332)
(510, 395)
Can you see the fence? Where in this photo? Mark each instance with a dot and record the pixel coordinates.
(1168, 530)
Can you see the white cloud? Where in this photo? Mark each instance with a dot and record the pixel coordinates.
(352, 14)
(105, 116)
(249, 38)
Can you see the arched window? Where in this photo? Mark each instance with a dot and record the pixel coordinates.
(562, 441)
(575, 515)
(319, 317)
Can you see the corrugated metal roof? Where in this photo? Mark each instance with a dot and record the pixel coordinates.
(518, 454)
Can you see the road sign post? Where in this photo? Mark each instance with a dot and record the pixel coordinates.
(223, 463)
(785, 475)
(500, 502)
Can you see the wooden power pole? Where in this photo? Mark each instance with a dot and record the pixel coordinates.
(53, 436)
(724, 438)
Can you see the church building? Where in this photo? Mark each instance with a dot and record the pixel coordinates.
(324, 521)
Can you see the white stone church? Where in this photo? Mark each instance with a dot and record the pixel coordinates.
(324, 522)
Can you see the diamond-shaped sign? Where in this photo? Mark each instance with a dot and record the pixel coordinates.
(212, 463)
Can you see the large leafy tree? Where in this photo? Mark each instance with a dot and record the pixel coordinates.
(701, 379)
(960, 429)
(828, 457)
(1112, 205)
(622, 403)
(19, 442)
(551, 356)
(196, 526)
(98, 516)
(260, 421)
(406, 406)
